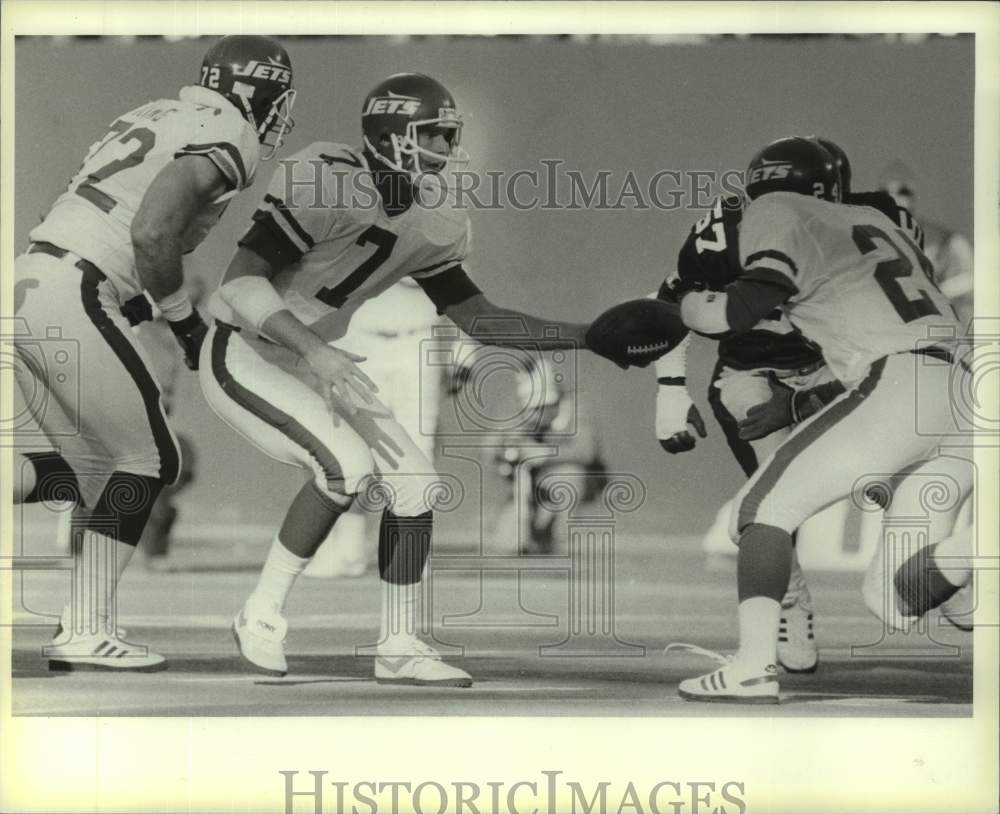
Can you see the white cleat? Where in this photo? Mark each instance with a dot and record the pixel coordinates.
(260, 630)
(72, 651)
(797, 651)
(412, 661)
(736, 682)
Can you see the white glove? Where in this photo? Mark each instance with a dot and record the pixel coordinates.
(677, 418)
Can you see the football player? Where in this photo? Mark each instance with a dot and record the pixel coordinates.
(856, 284)
(773, 360)
(548, 417)
(339, 225)
(147, 193)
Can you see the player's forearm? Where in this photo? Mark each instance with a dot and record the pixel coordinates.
(158, 262)
(493, 325)
(285, 328)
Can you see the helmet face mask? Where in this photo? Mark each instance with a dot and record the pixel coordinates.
(794, 164)
(277, 124)
(255, 75)
(402, 111)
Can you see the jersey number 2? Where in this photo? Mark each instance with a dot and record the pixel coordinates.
(126, 133)
(384, 240)
(888, 273)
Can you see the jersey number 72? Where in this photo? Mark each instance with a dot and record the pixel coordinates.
(126, 132)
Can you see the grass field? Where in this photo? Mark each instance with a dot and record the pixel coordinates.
(662, 593)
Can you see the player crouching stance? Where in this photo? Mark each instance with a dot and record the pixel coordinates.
(858, 286)
(313, 255)
(146, 194)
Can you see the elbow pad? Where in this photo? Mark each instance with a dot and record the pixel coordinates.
(252, 298)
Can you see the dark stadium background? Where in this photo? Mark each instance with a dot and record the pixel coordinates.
(597, 104)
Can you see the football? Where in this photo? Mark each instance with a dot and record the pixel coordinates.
(637, 332)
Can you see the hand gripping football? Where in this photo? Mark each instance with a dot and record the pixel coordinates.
(637, 332)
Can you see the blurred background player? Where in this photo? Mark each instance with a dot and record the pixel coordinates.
(147, 193)
(389, 331)
(271, 372)
(949, 251)
(555, 447)
(819, 261)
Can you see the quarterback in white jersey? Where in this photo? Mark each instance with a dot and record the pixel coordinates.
(108, 250)
(338, 226)
(857, 285)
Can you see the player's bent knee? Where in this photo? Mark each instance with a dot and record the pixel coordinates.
(413, 494)
(334, 491)
(45, 477)
(124, 505)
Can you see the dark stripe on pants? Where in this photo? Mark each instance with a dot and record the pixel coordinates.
(742, 450)
(170, 458)
(795, 445)
(271, 415)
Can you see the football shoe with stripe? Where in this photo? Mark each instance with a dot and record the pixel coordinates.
(409, 660)
(797, 651)
(735, 682)
(73, 650)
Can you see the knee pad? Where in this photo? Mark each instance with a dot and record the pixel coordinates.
(55, 480)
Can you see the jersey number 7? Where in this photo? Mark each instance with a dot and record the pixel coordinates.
(890, 273)
(384, 241)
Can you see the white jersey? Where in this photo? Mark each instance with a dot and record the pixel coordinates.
(93, 217)
(323, 226)
(860, 287)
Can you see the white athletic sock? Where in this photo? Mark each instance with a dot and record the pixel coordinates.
(98, 564)
(400, 611)
(759, 617)
(278, 575)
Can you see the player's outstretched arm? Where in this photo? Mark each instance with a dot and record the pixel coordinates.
(492, 324)
(248, 291)
(177, 195)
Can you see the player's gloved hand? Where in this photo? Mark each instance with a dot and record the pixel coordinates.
(772, 415)
(190, 333)
(138, 309)
(340, 381)
(677, 418)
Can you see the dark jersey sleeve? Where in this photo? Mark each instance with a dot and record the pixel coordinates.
(886, 204)
(450, 287)
(710, 254)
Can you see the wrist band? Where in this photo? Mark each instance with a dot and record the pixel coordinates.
(175, 306)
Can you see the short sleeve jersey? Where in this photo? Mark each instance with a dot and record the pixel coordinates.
(93, 217)
(710, 255)
(859, 285)
(322, 225)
